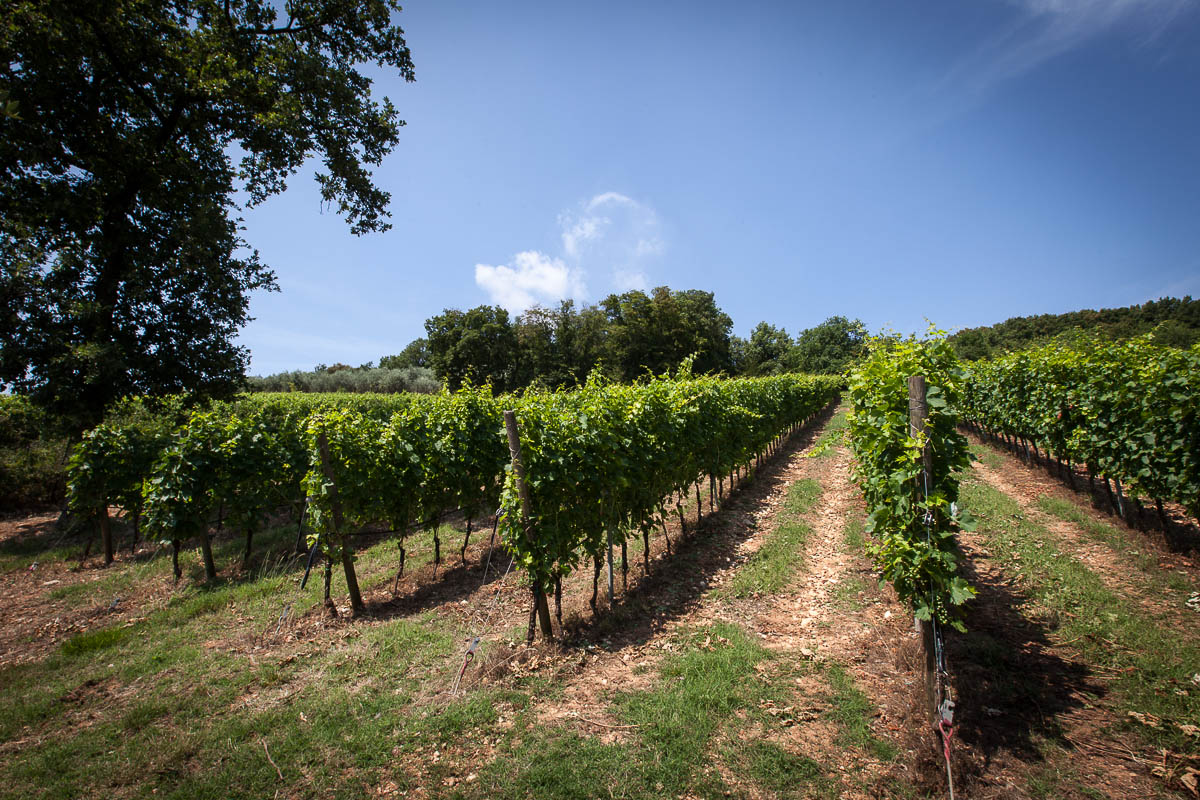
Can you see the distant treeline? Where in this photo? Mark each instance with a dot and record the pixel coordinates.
(624, 336)
(344, 378)
(1174, 322)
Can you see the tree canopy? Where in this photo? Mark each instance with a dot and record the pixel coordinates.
(137, 127)
(625, 335)
(827, 348)
(1174, 321)
(476, 345)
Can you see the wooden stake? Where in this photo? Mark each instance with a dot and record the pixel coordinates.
(610, 569)
(918, 426)
(106, 536)
(514, 450)
(356, 601)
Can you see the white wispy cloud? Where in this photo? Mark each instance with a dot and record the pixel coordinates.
(1046, 29)
(532, 277)
(629, 280)
(609, 235)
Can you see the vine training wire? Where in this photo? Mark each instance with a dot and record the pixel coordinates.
(945, 707)
(474, 641)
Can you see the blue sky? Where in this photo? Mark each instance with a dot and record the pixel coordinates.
(895, 161)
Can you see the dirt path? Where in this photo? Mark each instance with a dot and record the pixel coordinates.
(1112, 567)
(831, 615)
(1029, 704)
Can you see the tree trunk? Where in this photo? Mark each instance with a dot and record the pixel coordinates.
(175, 559)
(558, 599)
(462, 554)
(301, 543)
(595, 582)
(210, 566)
(356, 601)
(106, 537)
(624, 568)
(399, 572)
(543, 611)
(437, 548)
(646, 549)
(1162, 515)
(328, 584)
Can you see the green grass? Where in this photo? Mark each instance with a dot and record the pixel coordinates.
(779, 559)
(853, 712)
(784, 774)
(179, 703)
(699, 692)
(830, 437)
(854, 533)
(1128, 546)
(184, 702)
(1148, 660)
(92, 641)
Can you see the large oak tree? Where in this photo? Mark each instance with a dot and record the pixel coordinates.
(141, 127)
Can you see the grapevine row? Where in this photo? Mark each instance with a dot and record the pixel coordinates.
(1129, 411)
(600, 459)
(911, 521)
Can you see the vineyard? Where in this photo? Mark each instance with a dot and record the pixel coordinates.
(725, 573)
(599, 462)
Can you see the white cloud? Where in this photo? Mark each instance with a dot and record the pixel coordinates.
(531, 278)
(629, 280)
(611, 198)
(1049, 28)
(577, 232)
(610, 234)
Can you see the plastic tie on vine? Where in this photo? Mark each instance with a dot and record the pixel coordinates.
(468, 657)
(945, 727)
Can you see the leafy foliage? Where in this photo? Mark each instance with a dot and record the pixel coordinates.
(601, 459)
(31, 456)
(122, 267)
(919, 558)
(1129, 410)
(354, 379)
(828, 348)
(1175, 323)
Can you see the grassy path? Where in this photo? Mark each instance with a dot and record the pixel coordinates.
(1077, 678)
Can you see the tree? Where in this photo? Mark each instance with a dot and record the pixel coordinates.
(827, 348)
(656, 332)
(766, 350)
(414, 354)
(122, 266)
(477, 345)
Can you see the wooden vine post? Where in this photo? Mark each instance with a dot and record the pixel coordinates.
(106, 536)
(918, 425)
(514, 449)
(356, 601)
(610, 568)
